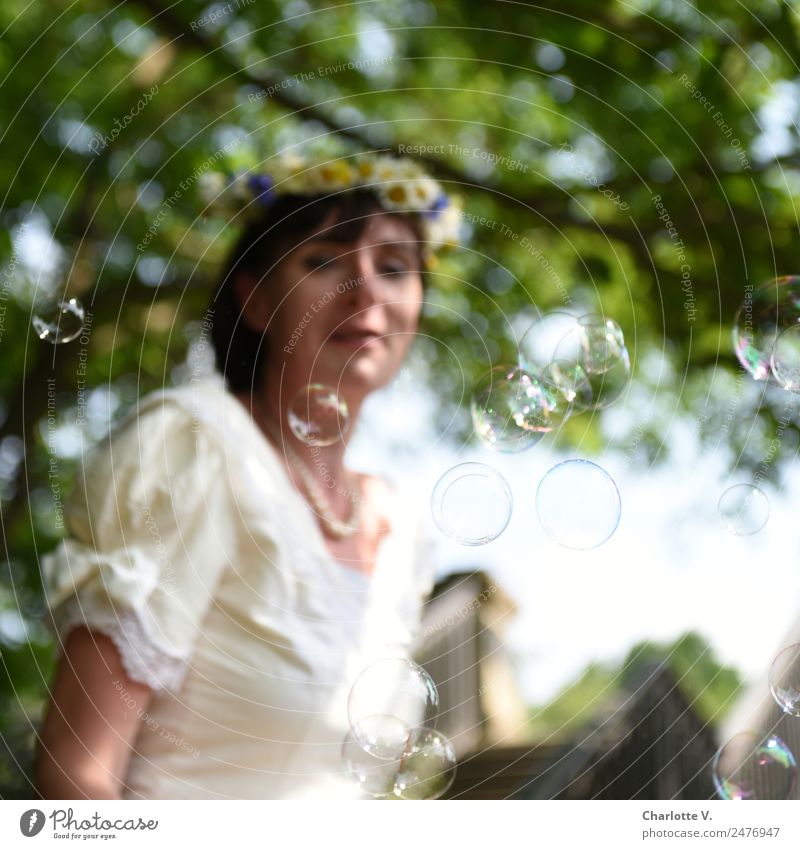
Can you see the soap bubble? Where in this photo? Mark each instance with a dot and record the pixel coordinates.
(596, 345)
(590, 347)
(373, 775)
(578, 504)
(428, 769)
(389, 703)
(750, 766)
(744, 509)
(59, 322)
(572, 382)
(511, 409)
(764, 314)
(318, 416)
(472, 504)
(602, 343)
(784, 679)
(425, 769)
(608, 386)
(785, 358)
(539, 343)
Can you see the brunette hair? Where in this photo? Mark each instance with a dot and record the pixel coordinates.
(286, 224)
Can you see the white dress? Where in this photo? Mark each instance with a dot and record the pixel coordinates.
(189, 546)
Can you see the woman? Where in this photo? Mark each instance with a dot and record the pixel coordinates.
(224, 583)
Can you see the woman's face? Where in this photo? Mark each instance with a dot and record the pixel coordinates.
(343, 314)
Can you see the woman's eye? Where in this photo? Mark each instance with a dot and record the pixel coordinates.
(316, 261)
(395, 268)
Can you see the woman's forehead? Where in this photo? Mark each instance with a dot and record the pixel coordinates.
(386, 227)
(379, 228)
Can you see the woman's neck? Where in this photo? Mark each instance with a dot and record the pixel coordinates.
(269, 410)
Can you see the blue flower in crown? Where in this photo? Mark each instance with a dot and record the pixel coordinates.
(441, 203)
(261, 187)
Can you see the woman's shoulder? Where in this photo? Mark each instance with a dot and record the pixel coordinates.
(171, 434)
(160, 454)
(176, 414)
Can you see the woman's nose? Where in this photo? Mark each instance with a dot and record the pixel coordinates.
(367, 282)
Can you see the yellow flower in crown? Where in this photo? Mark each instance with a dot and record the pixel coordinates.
(400, 185)
(396, 195)
(336, 175)
(367, 169)
(424, 192)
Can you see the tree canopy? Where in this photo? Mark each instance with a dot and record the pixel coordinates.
(636, 159)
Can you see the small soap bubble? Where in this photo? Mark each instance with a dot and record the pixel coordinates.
(472, 504)
(373, 775)
(743, 509)
(318, 416)
(425, 769)
(784, 679)
(750, 766)
(389, 703)
(764, 314)
(578, 504)
(59, 323)
(511, 409)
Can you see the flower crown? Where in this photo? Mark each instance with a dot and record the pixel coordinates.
(400, 184)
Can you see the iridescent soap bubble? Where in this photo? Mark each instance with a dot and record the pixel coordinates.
(59, 322)
(318, 416)
(389, 704)
(784, 679)
(424, 769)
(750, 766)
(511, 409)
(578, 504)
(785, 359)
(764, 314)
(743, 509)
(472, 504)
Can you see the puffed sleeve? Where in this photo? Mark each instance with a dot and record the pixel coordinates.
(150, 533)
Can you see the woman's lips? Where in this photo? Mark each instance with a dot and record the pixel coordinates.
(356, 339)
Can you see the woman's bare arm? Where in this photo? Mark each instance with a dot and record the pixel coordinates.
(92, 721)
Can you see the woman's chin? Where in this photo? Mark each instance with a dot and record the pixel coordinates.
(363, 376)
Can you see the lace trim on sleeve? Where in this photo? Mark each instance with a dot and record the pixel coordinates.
(144, 658)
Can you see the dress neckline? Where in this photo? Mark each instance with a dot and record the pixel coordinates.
(308, 513)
